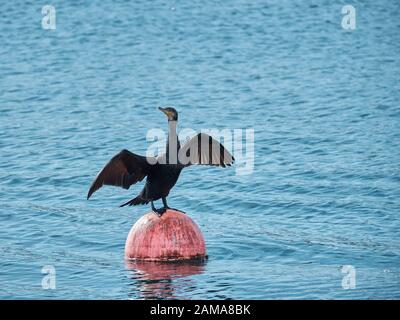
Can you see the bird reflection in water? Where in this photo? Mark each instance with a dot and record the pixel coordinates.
(161, 280)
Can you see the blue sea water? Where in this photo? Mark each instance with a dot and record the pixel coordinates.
(324, 106)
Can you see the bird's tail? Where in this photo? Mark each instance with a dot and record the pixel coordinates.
(135, 201)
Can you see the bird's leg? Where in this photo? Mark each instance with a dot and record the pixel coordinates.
(164, 200)
(158, 212)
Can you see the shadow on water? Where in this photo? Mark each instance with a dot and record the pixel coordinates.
(159, 280)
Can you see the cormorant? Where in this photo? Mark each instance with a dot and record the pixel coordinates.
(127, 168)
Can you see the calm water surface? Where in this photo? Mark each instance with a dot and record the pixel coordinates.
(324, 106)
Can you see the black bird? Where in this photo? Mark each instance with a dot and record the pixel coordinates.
(127, 168)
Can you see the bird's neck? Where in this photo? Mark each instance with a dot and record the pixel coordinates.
(173, 144)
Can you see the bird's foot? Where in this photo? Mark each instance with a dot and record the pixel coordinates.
(177, 210)
(160, 212)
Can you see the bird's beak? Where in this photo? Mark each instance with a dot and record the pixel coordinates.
(164, 110)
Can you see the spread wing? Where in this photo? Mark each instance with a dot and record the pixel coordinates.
(202, 149)
(123, 170)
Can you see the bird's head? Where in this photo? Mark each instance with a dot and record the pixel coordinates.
(171, 113)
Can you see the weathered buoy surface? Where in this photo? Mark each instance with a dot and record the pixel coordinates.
(172, 237)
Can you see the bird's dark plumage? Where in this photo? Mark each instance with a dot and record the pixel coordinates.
(127, 168)
(123, 170)
(204, 150)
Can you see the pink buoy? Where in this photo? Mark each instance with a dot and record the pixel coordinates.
(172, 237)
